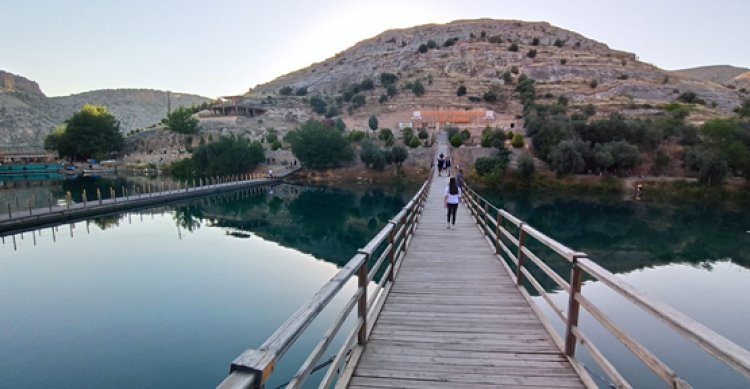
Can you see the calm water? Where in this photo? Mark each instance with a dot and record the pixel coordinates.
(169, 297)
(691, 256)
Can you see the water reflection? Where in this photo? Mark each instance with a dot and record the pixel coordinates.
(326, 222)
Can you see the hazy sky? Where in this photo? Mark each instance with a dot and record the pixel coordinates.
(224, 47)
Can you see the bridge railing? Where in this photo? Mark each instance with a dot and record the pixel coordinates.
(254, 366)
(515, 254)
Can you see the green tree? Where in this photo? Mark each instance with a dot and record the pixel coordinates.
(461, 91)
(491, 167)
(465, 134)
(302, 91)
(559, 42)
(372, 155)
(275, 145)
(398, 154)
(456, 140)
(744, 110)
(227, 155)
(422, 48)
(423, 134)
(318, 146)
(414, 142)
(90, 132)
(513, 47)
(407, 133)
(566, 158)
(431, 44)
(493, 137)
(358, 100)
(391, 90)
(531, 53)
(181, 121)
(373, 122)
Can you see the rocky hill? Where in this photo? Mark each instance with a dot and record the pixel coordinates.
(479, 53)
(720, 74)
(27, 115)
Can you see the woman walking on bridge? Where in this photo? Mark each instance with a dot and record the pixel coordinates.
(452, 198)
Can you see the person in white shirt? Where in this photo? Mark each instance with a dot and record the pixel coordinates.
(452, 198)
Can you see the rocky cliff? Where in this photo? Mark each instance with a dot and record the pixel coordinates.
(27, 115)
(479, 53)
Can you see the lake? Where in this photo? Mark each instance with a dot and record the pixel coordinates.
(169, 296)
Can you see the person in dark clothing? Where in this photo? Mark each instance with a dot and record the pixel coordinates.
(440, 165)
(452, 198)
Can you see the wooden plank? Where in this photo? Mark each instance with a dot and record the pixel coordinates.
(453, 318)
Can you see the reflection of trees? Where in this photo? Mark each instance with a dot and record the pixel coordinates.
(624, 236)
(188, 217)
(322, 211)
(106, 222)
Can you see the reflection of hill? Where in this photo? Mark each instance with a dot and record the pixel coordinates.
(624, 236)
(328, 223)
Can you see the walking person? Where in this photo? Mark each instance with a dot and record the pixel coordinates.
(440, 164)
(460, 178)
(452, 198)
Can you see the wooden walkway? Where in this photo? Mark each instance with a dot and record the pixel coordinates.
(454, 318)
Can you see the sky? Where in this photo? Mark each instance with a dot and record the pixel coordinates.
(224, 47)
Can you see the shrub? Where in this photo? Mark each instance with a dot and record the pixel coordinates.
(391, 90)
(531, 53)
(593, 84)
(690, 98)
(422, 48)
(358, 100)
(423, 134)
(356, 135)
(339, 124)
(461, 91)
(228, 155)
(465, 134)
(383, 98)
(414, 142)
(407, 133)
(743, 111)
(366, 84)
(517, 141)
(285, 91)
(493, 137)
(387, 79)
(507, 78)
(497, 39)
(566, 158)
(456, 140)
(431, 44)
(417, 88)
(450, 42)
(475, 99)
(318, 105)
(535, 41)
(559, 42)
(385, 134)
(491, 166)
(490, 96)
(271, 137)
(526, 167)
(301, 91)
(514, 69)
(513, 47)
(450, 131)
(275, 145)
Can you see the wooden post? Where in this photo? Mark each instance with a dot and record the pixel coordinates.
(576, 279)
(486, 218)
(49, 202)
(83, 197)
(521, 242)
(68, 198)
(10, 214)
(112, 194)
(122, 190)
(497, 232)
(28, 202)
(392, 251)
(362, 304)
(99, 195)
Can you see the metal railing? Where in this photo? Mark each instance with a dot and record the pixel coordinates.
(514, 250)
(253, 368)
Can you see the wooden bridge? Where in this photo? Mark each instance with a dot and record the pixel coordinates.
(440, 308)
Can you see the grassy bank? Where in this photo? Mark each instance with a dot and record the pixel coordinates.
(684, 191)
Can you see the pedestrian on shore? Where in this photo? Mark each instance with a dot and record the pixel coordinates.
(440, 164)
(452, 198)
(448, 165)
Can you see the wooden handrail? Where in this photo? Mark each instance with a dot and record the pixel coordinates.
(723, 349)
(254, 366)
